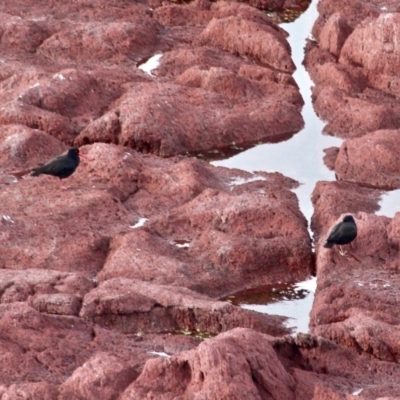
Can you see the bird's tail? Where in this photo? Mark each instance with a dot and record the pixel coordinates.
(35, 172)
(329, 245)
(20, 174)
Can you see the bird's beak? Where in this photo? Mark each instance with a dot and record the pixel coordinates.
(83, 156)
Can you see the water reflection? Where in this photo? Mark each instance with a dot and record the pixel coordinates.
(390, 203)
(301, 157)
(291, 300)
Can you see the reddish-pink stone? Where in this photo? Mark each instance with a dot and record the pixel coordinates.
(236, 365)
(258, 41)
(168, 119)
(334, 34)
(133, 306)
(371, 160)
(374, 47)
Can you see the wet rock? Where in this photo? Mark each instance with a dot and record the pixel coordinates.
(370, 161)
(134, 306)
(211, 371)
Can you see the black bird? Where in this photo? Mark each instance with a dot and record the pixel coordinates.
(62, 166)
(342, 233)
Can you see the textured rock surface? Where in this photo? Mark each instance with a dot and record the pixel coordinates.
(208, 371)
(73, 72)
(371, 161)
(77, 337)
(109, 289)
(354, 66)
(135, 306)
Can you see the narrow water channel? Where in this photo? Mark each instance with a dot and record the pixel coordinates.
(300, 158)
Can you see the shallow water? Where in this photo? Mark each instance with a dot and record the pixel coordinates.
(291, 300)
(301, 158)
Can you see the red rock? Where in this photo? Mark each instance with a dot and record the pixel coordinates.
(258, 41)
(373, 46)
(60, 303)
(334, 34)
(103, 376)
(64, 101)
(236, 365)
(19, 285)
(176, 61)
(354, 11)
(355, 97)
(40, 354)
(173, 15)
(66, 218)
(19, 34)
(39, 348)
(354, 302)
(352, 116)
(236, 87)
(332, 75)
(23, 147)
(334, 372)
(332, 199)
(330, 157)
(371, 160)
(93, 42)
(29, 390)
(155, 118)
(133, 306)
(229, 254)
(36, 118)
(44, 223)
(223, 9)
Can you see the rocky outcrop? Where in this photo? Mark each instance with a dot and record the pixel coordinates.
(355, 84)
(370, 161)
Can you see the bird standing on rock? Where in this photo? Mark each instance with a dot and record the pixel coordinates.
(62, 166)
(342, 233)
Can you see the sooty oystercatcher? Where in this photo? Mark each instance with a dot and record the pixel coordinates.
(62, 166)
(342, 233)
